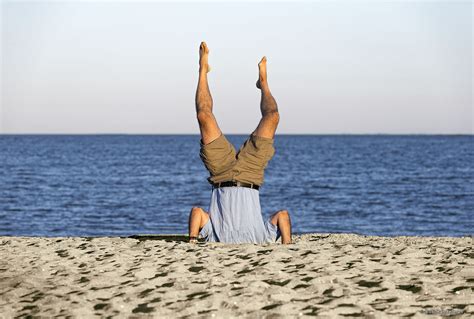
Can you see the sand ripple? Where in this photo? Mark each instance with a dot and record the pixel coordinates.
(324, 275)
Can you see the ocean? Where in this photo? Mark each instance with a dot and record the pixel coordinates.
(120, 185)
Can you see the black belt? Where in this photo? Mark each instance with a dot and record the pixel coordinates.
(235, 183)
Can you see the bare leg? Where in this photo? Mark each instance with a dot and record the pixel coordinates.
(207, 122)
(268, 106)
(197, 219)
(282, 220)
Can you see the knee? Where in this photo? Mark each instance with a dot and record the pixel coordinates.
(204, 116)
(273, 117)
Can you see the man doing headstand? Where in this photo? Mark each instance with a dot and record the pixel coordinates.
(234, 212)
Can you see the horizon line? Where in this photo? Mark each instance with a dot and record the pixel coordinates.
(197, 134)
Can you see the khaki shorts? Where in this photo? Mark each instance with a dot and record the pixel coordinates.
(247, 166)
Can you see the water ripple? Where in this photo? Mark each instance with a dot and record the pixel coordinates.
(122, 185)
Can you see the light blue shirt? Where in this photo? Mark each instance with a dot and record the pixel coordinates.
(236, 217)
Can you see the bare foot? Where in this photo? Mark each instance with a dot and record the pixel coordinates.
(262, 73)
(203, 55)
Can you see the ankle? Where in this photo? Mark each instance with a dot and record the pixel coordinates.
(264, 88)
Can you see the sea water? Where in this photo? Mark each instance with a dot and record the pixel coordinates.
(119, 185)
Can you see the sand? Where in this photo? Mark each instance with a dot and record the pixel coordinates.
(325, 275)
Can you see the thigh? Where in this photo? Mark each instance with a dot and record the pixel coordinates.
(218, 156)
(208, 127)
(267, 126)
(253, 158)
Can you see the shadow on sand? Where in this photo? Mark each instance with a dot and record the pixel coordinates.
(168, 238)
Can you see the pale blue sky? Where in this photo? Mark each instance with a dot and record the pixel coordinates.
(334, 67)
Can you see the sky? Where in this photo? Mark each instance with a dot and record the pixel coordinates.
(334, 67)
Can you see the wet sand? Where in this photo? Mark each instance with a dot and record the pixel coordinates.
(326, 275)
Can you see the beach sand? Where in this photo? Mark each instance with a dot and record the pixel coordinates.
(326, 275)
